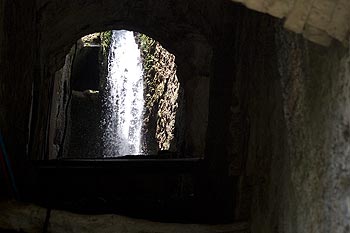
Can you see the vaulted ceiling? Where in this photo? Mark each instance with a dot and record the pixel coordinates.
(320, 21)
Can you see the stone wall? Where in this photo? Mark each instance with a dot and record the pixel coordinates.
(288, 131)
(84, 133)
(60, 122)
(19, 75)
(263, 185)
(293, 97)
(315, 82)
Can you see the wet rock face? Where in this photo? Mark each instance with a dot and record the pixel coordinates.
(161, 92)
(84, 141)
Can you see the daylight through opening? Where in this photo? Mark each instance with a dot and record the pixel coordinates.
(124, 98)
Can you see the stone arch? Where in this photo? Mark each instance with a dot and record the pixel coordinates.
(158, 19)
(186, 41)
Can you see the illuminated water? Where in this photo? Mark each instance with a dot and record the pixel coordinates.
(124, 101)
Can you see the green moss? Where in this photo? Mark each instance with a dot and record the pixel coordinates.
(147, 46)
(105, 41)
(160, 88)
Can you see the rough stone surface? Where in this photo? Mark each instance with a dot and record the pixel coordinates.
(297, 121)
(85, 135)
(315, 82)
(288, 121)
(31, 219)
(318, 21)
(59, 129)
(24, 217)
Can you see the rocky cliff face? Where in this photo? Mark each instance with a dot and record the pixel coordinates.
(161, 88)
(85, 100)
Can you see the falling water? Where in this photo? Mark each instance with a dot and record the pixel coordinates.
(123, 100)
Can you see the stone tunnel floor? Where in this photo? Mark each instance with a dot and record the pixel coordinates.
(29, 218)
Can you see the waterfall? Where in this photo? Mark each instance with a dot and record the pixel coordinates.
(123, 100)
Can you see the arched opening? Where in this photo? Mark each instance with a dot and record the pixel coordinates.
(159, 186)
(81, 107)
(123, 99)
(208, 51)
(205, 72)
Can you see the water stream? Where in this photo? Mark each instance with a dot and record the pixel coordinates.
(123, 102)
